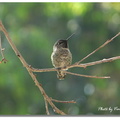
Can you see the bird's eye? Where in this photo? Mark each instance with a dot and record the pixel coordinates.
(60, 43)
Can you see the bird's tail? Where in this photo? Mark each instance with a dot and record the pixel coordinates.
(61, 75)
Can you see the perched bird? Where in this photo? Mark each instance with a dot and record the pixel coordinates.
(61, 56)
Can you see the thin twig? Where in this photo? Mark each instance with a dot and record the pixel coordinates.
(43, 70)
(2, 49)
(108, 41)
(63, 101)
(86, 75)
(46, 106)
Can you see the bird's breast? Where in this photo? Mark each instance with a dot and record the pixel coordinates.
(61, 57)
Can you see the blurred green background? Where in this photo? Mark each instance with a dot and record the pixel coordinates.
(34, 28)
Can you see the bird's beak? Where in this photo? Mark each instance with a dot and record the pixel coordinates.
(70, 36)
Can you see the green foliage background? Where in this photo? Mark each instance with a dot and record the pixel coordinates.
(34, 28)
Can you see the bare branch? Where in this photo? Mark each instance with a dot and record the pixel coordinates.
(2, 49)
(108, 41)
(2, 28)
(43, 70)
(63, 101)
(46, 106)
(29, 70)
(87, 75)
(84, 65)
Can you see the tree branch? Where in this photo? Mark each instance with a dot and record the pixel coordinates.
(2, 28)
(30, 69)
(2, 49)
(86, 75)
(108, 41)
(63, 101)
(84, 65)
(46, 106)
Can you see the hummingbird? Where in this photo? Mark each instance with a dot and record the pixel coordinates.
(61, 56)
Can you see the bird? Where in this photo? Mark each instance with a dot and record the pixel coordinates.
(61, 56)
